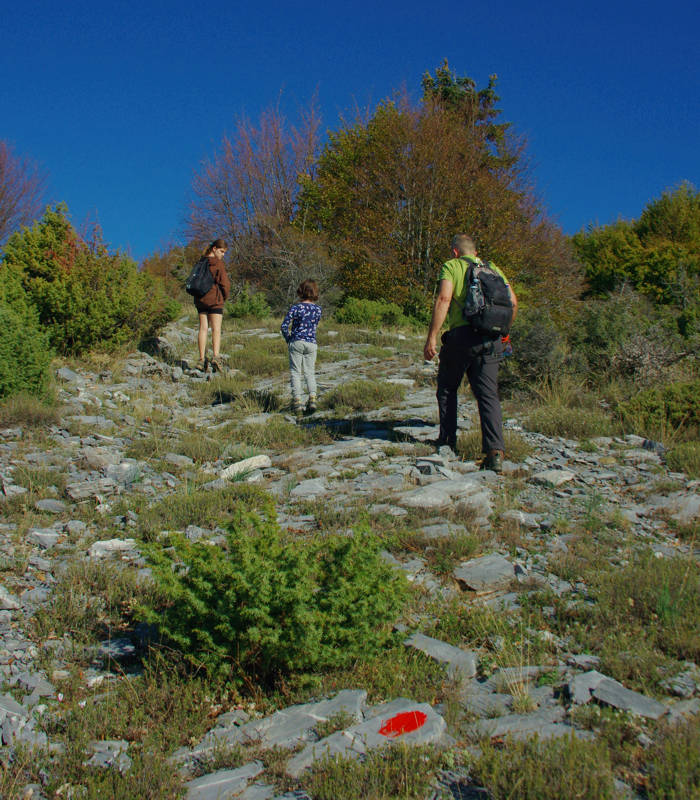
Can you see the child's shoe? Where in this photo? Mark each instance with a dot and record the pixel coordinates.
(297, 408)
(311, 404)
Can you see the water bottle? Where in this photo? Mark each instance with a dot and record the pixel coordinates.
(474, 301)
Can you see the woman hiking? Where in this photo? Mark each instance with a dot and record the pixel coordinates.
(210, 307)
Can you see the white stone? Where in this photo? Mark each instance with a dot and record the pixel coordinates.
(247, 465)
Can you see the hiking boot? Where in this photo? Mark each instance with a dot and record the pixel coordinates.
(217, 365)
(297, 408)
(438, 444)
(201, 365)
(493, 461)
(311, 405)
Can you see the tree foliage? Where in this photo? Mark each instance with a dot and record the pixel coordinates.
(658, 254)
(22, 185)
(390, 191)
(84, 295)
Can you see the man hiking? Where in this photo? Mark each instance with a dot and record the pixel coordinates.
(466, 348)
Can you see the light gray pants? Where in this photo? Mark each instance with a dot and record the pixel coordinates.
(302, 360)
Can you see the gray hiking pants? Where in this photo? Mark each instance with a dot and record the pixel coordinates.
(302, 361)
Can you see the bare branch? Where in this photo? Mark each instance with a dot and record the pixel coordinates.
(22, 186)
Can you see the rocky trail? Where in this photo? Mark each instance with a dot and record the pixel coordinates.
(379, 461)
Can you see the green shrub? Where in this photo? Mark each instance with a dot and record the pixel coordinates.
(84, 296)
(363, 395)
(664, 411)
(539, 352)
(248, 303)
(685, 457)
(25, 355)
(674, 763)
(262, 606)
(552, 770)
(369, 313)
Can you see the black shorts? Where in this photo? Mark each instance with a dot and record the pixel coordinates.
(207, 310)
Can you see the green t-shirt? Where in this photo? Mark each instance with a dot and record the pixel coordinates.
(455, 270)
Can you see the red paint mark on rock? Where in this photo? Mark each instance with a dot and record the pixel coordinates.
(405, 722)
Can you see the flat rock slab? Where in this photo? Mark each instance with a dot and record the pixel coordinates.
(43, 537)
(109, 546)
(8, 601)
(553, 477)
(681, 506)
(519, 724)
(287, 727)
(460, 663)
(223, 784)
(485, 574)
(525, 520)
(247, 465)
(613, 694)
(84, 490)
(401, 720)
(581, 686)
(313, 487)
(51, 506)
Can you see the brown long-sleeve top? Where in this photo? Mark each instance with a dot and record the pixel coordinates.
(216, 296)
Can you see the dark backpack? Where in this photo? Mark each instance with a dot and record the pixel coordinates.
(487, 306)
(200, 280)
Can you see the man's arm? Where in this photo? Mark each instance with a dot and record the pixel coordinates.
(514, 301)
(440, 309)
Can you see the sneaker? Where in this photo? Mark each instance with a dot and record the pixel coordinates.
(311, 405)
(493, 461)
(297, 408)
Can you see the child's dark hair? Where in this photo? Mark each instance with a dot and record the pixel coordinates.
(308, 290)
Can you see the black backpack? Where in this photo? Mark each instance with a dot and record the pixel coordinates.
(200, 280)
(487, 306)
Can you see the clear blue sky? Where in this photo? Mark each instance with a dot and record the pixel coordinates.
(121, 101)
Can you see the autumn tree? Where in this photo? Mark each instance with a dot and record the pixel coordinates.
(390, 192)
(22, 185)
(248, 192)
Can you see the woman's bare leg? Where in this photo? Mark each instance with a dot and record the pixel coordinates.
(202, 335)
(215, 323)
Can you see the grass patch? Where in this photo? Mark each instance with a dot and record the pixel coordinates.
(155, 713)
(674, 763)
(469, 445)
(278, 434)
(685, 457)
(205, 508)
(91, 600)
(571, 423)
(394, 672)
(363, 395)
(260, 358)
(441, 554)
(552, 770)
(399, 771)
(27, 410)
(222, 388)
(645, 617)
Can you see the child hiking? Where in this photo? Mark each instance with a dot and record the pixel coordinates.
(299, 331)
